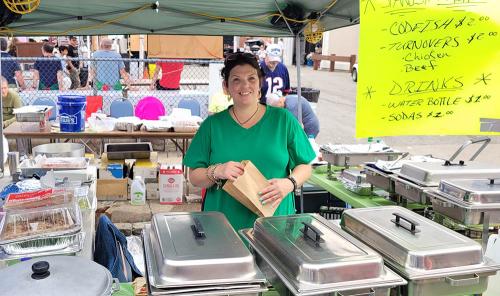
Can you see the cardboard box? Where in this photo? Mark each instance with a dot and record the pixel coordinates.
(171, 184)
(116, 189)
(152, 191)
(111, 171)
(147, 169)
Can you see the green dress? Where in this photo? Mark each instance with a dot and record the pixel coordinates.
(276, 144)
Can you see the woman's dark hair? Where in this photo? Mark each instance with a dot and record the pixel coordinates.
(239, 59)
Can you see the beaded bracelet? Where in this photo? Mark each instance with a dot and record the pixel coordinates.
(217, 180)
(210, 173)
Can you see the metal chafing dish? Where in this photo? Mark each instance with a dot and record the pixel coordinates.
(307, 255)
(434, 259)
(198, 253)
(415, 178)
(355, 180)
(351, 155)
(469, 201)
(380, 177)
(466, 199)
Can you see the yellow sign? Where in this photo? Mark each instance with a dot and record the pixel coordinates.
(428, 67)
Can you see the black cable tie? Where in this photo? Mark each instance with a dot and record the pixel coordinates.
(222, 20)
(79, 17)
(154, 6)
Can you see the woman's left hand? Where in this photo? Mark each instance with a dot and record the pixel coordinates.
(276, 191)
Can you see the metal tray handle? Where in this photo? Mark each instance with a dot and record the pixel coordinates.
(413, 224)
(370, 292)
(486, 141)
(197, 228)
(317, 233)
(474, 280)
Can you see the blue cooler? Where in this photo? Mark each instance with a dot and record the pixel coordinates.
(71, 113)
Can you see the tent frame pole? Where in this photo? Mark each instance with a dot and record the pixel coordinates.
(297, 57)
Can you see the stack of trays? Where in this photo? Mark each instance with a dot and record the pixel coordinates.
(307, 255)
(198, 254)
(48, 226)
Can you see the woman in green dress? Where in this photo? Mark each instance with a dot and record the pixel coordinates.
(271, 138)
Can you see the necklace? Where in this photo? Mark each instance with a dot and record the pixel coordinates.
(244, 122)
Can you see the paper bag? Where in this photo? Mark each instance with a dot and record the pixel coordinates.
(246, 187)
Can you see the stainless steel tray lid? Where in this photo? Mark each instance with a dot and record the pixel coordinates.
(480, 191)
(411, 242)
(191, 248)
(309, 249)
(430, 173)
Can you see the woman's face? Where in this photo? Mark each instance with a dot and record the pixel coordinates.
(243, 85)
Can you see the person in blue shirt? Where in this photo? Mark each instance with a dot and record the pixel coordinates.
(10, 68)
(48, 74)
(276, 77)
(310, 121)
(106, 74)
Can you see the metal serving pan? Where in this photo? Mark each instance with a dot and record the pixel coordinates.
(307, 255)
(351, 155)
(355, 180)
(429, 174)
(415, 178)
(379, 178)
(466, 199)
(434, 259)
(198, 249)
(32, 113)
(128, 150)
(250, 289)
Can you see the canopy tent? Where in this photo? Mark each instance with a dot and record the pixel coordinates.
(175, 17)
(274, 18)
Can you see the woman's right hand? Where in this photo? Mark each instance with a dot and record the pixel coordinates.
(229, 170)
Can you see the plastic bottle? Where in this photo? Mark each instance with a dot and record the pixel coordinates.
(138, 192)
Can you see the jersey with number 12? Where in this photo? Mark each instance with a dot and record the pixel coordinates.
(277, 80)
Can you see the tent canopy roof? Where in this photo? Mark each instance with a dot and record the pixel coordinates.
(174, 17)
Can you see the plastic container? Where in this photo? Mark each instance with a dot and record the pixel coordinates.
(310, 94)
(138, 192)
(41, 214)
(71, 110)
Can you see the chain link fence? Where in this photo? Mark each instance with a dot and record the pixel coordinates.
(171, 81)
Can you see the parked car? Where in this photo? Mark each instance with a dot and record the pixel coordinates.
(254, 44)
(354, 73)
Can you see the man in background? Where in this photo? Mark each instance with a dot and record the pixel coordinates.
(276, 77)
(106, 74)
(10, 68)
(310, 121)
(47, 74)
(10, 100)
(74, 72)
(170, 76)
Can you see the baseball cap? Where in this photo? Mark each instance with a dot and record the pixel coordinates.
(274, 52)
